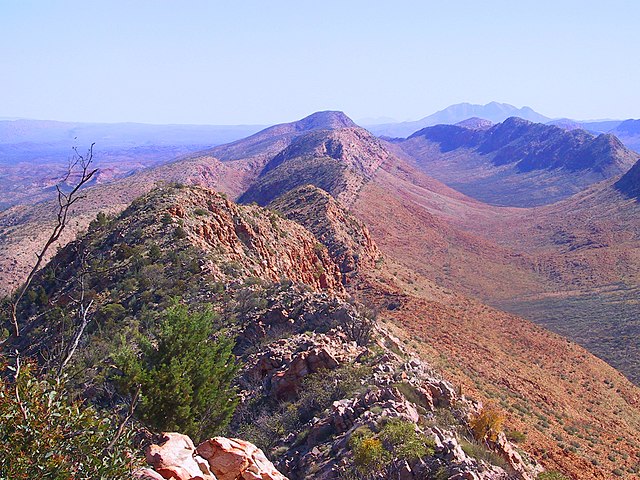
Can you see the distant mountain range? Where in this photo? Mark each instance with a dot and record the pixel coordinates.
(517, 162)
(119, 134)
(494, 112)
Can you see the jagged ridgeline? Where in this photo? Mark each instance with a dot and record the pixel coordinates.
(238, 320)
(176, 241)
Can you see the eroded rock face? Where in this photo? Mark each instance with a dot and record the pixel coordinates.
(218, 458)
(252, 240)
(281, 368)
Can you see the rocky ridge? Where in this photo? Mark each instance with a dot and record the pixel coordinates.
(347, 239)
(388, 389)
(629, 183)
(338, 161)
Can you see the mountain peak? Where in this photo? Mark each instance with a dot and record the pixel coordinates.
(516, 122)
(329, 119)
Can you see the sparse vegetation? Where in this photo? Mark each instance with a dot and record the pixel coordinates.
(397, 441)
(551, 475)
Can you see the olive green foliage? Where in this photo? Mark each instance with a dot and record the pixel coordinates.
(398, 440)
(479, 451)
(368, 452)
(184, 375)
(551, 476)
(515, 436)
(402, 439)
(45, 436)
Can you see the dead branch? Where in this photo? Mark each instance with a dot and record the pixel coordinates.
(65, 202)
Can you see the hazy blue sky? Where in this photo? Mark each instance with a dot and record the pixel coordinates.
(234, 61)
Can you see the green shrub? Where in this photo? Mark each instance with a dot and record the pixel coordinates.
(481, 452)
(184, 376)
(180, 232)
(201, 211)
(400, 438)
(551, 476)
(44, 435)
(368, 452)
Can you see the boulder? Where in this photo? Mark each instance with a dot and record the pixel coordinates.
(175, 458)
(234, 459)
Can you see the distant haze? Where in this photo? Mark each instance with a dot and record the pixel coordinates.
(256, 62)
(494, 112)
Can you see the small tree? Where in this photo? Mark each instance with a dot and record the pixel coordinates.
(184, 375)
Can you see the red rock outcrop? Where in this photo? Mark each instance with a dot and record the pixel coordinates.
(218, 458)
(250, 241)
(175, 458)
(234, 459)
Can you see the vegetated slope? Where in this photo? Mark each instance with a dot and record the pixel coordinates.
(465, 245)
(302, 346)
(493, 111)
(579, 415)
(589, 247)
(403, 205)
(148, 253)
(338, 161)
(419, 225)
(517, 163)
(23, 229)
(629, 183)
(428, 206)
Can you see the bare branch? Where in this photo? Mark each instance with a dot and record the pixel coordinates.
(65, 201)
(16, 381)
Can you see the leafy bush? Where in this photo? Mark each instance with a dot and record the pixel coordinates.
(44, 435)
(516, 436)
(487, 424)
(368, 452)
(401, 438)
(183, 375)
(397, 441)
